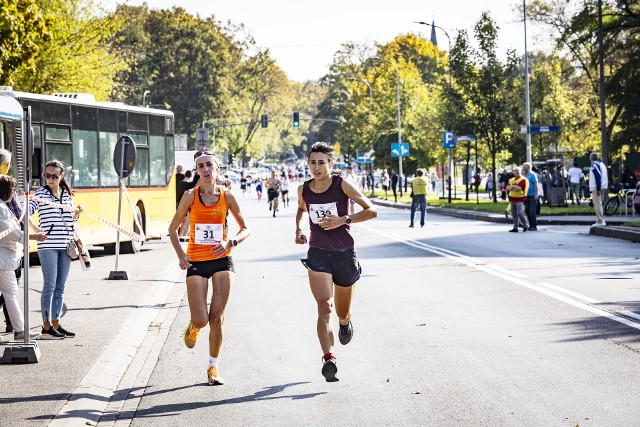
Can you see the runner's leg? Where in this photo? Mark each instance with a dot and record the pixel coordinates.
(322, 289)
(343, 299)
(197, 295)
(222, 282)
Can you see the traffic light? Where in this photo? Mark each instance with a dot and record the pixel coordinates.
(347, 160)
(296, 119)
(230, 159)
(264, 121)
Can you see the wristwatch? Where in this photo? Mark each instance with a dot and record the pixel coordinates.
(234, 243)
(347, 219)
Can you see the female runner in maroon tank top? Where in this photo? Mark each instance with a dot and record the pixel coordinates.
(332, 265)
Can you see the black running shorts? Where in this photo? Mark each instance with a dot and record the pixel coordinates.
(342, 265)
(207, 269)
(272, 194)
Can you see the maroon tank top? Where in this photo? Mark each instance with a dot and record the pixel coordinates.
(319, 205)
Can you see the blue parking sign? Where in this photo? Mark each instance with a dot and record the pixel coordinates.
(448, 141)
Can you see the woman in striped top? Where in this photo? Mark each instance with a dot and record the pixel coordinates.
(59, 225)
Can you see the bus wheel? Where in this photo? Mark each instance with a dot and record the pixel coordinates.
(133, 246)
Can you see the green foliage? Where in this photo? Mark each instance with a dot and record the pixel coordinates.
(76, 56)
(23, 28)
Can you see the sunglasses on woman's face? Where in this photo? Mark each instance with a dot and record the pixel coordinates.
(49, 176)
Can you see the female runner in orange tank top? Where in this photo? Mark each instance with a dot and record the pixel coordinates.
(208, 255)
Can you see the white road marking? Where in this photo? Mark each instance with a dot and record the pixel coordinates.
(570, 293)
(510, 277)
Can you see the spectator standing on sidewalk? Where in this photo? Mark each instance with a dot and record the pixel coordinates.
(517, 189)
(395, 178)
(575, 179)
(10, 257)
(531, 198)
(503, 180)
(434, 181)
(598, 184)
(419, 186)
(59, 225)
(384, 180)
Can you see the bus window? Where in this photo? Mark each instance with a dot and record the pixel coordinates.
(57, 133)
(140, 175)
(171, 155)
(60, 152)
(108, 175)
(85, 158)
(37, 135)
(158, 160)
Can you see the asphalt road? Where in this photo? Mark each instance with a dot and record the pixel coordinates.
(456, 323)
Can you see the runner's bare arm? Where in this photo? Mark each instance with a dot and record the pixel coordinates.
(181, 212)
(234, 207)
(368, 211)
(301, 239)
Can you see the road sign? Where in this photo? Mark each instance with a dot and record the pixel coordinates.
(540, 129)
(364, 159)
(400, 149)
(124, 156)
(336, 148)
(202, 138)
(448, 141)
(465, 138)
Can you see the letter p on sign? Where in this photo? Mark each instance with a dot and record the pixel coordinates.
(448, 141)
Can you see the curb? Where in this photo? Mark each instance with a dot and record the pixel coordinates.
(631, 234)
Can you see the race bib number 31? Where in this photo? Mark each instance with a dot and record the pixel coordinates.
(208, 234)
(318, 212)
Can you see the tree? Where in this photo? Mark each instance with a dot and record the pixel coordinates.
(76, 56)
(23, 27)
(486, 86)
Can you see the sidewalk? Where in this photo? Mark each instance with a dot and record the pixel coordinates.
(614, 227)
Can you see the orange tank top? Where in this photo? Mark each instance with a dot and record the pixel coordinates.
(206, 224)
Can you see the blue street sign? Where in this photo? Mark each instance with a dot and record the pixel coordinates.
(400, 149)
(448, 141)
(540, 129)
(465, 138)
(364, 159)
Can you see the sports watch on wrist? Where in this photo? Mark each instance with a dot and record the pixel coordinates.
(347, 219)
(234, 243)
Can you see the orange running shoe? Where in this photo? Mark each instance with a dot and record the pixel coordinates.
(191, 335)
(214, 377)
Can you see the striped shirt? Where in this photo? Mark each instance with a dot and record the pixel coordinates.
(51, 218)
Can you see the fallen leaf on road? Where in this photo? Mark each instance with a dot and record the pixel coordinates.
(388, 380)
(421, 324)
(417, 392)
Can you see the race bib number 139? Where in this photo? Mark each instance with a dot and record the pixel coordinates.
(320, 211)
(208, 234)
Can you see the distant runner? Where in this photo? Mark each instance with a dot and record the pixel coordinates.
(273, 189)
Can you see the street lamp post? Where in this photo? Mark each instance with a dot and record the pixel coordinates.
(144, 97)
(377, 58)
(450, 161)
(526, 84)
(370, 108)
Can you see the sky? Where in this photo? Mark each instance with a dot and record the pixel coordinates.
(303, 36)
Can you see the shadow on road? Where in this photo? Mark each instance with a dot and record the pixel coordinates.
(161, 410)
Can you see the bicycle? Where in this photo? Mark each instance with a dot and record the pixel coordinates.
(621, 196)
